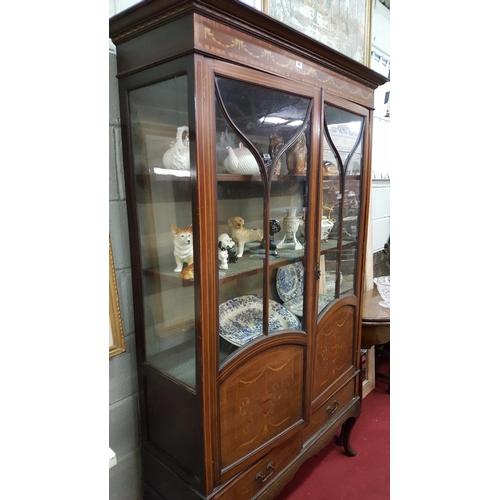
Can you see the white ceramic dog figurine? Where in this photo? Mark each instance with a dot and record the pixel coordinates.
(242, 235)
(183, 246)
(225, 244)
(223, 258)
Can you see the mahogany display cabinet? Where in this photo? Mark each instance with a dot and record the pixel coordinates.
(247, 156)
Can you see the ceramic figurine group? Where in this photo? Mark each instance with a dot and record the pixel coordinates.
(239, 160)
(227, 246)
(230, 247)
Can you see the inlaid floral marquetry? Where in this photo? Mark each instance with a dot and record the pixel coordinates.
(237, 46)
(260, 401)
(334, 349)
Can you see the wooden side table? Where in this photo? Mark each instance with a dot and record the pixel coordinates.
(375, 331)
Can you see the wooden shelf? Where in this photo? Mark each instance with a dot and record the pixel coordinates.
(250, 263)
(221, 177)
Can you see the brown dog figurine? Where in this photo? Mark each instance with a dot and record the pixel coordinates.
(241, 234)
(296, 157)
(275, 145)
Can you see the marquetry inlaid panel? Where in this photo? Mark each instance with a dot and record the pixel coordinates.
(334, 349)
(260, 400)
(230, 44)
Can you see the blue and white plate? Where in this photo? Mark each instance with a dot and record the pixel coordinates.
(241, 319)
(290, 281)
(296, 305)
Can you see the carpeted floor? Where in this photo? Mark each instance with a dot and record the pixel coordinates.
(331, 475)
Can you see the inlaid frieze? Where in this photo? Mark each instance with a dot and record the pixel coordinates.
(260, 400)
(222, 41)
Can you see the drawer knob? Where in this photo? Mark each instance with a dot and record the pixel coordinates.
(261, 477)
(332, 409)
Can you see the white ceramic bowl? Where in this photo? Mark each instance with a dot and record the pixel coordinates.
(383, 284)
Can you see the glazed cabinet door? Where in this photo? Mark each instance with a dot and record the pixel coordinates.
(264, 143)
(340, 253)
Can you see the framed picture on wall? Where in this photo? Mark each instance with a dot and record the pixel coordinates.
(256, 4)
(343, 25)
(116, 340)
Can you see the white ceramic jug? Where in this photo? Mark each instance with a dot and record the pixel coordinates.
(177, 157)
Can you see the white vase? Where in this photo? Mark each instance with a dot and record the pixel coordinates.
(326, 227)
(291, 225)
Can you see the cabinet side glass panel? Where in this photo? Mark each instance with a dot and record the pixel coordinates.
(160, 147)
(341, 193)
(255, 125)
(329, 285)
(350, 221)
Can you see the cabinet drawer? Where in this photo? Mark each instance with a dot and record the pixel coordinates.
(330, 408)
(264, 471)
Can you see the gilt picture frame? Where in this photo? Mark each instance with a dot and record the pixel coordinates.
(343, 25)
(116, 339)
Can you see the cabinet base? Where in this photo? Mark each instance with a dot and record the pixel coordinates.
(314, 446)
(160, 483)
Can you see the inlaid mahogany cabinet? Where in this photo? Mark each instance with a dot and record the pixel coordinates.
(247, 152)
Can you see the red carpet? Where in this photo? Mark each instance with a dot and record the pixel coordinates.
(331, 475)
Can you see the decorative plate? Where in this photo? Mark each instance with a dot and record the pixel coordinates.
(290, 281)
(296, 305)
(240, 319)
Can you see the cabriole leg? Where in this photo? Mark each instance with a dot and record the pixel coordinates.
(344, 438)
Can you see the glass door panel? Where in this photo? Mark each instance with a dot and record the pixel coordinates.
(350, 221)
(257, 131)
(288, 211)
(342, 155)
(161, 155)
(329, 239)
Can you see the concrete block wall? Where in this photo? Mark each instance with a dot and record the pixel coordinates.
(125, 476)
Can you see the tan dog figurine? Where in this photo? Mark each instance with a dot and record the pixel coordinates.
(183, 246)
(296, 157)
(241, 234)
